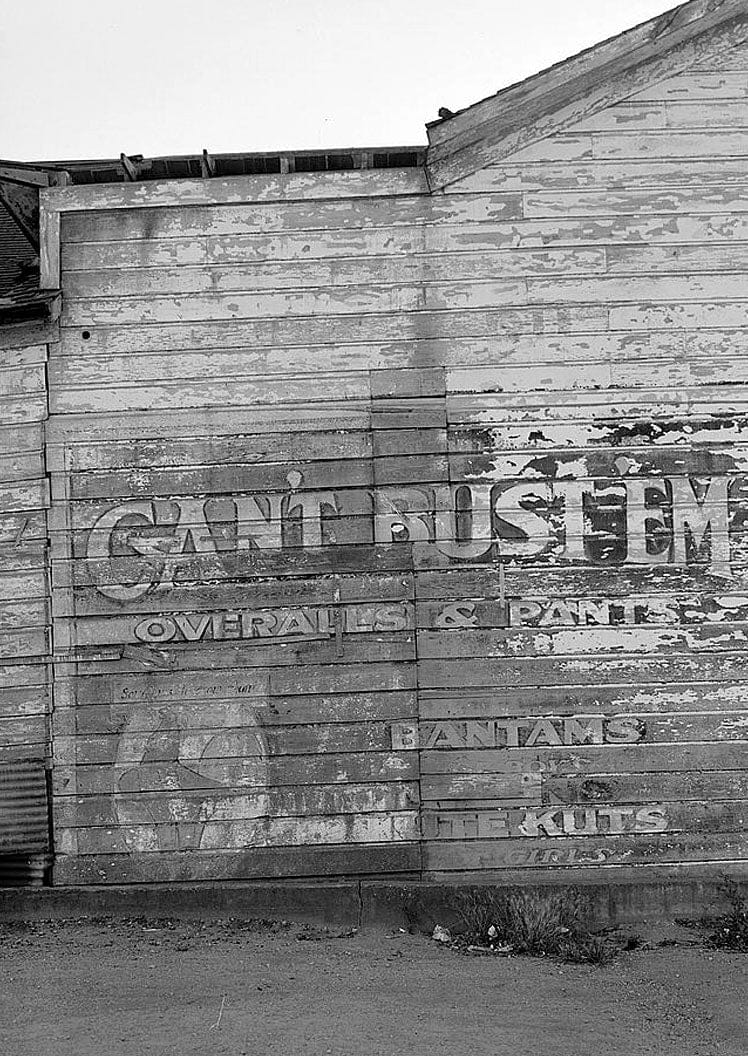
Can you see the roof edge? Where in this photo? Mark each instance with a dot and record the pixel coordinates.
(578, 87)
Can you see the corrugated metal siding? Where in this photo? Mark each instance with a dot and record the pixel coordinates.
(24, 824)
(23, 807)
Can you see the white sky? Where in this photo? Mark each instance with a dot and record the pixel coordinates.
(91, 78)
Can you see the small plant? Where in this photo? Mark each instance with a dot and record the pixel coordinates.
(477, 909)
(587, 949)
(541, 925)
(732, 928)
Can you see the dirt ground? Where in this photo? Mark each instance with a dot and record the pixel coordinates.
(141, 989)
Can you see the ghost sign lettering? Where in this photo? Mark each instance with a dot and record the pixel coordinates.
(674, 520)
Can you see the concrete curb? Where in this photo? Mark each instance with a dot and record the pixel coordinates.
(364, 903)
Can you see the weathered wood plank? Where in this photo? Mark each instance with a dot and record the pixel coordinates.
(237, 392)
(476, 789)
(703, 85)
(705, 315)
(239, 449)
(487, 855)
(522, 350)
(602, 174)
(347, 860)
(23, 379)
(649, 700)
(219, 191)
(25, 465)
(238, 565)
(374, 589)
(282, 624)
(347, 708)
(688, 258)
(612, 203)
(27, 642)
(17, 410)
(572, 582)
(574, 405)
(381, 326)
(592, 759)
(545, 728)
(22, 358)
(346, 273)
(668, 287)
(241, 734)
(582, 670)
(735, 60)
(374, 649)
(143, 253)
(191, 806)
(578, 641)
(25, 495)
(23, 730)
(85, 380)
(34, 700)
(389, 827)
(668, 144)
(224, 423)
(589, 612)
(23, 585)
(141, 684)
(636, 434)
(112, 224)
(318, 301)
(21, 439)
(643, 115)
(237, 772)
(208, 479)
(603, 819)
(405, 239)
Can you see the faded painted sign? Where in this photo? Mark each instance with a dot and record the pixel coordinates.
(674, 520)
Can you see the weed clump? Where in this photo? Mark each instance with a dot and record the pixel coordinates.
(732, 928)
(540, 925)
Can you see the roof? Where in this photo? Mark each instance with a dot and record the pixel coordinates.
(135, 167)
(18, 259)
(597, 78)
(485, 132)
(21, 300)
(460, 144)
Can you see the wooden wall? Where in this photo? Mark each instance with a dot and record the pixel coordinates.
(398, 532)
(24, 611)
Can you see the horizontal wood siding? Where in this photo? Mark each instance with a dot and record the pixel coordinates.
(398, 532)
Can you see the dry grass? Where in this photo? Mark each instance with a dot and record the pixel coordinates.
(540, 925)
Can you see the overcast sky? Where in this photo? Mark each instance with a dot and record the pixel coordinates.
(91, 78)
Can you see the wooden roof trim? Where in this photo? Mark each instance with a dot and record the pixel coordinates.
(229, 190)
(559, 97)
(19, 193)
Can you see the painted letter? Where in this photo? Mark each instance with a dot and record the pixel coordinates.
(693, 516)
(400, 515)
(533, 527)
(99, 549)
(638, 514)
(447, 520)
